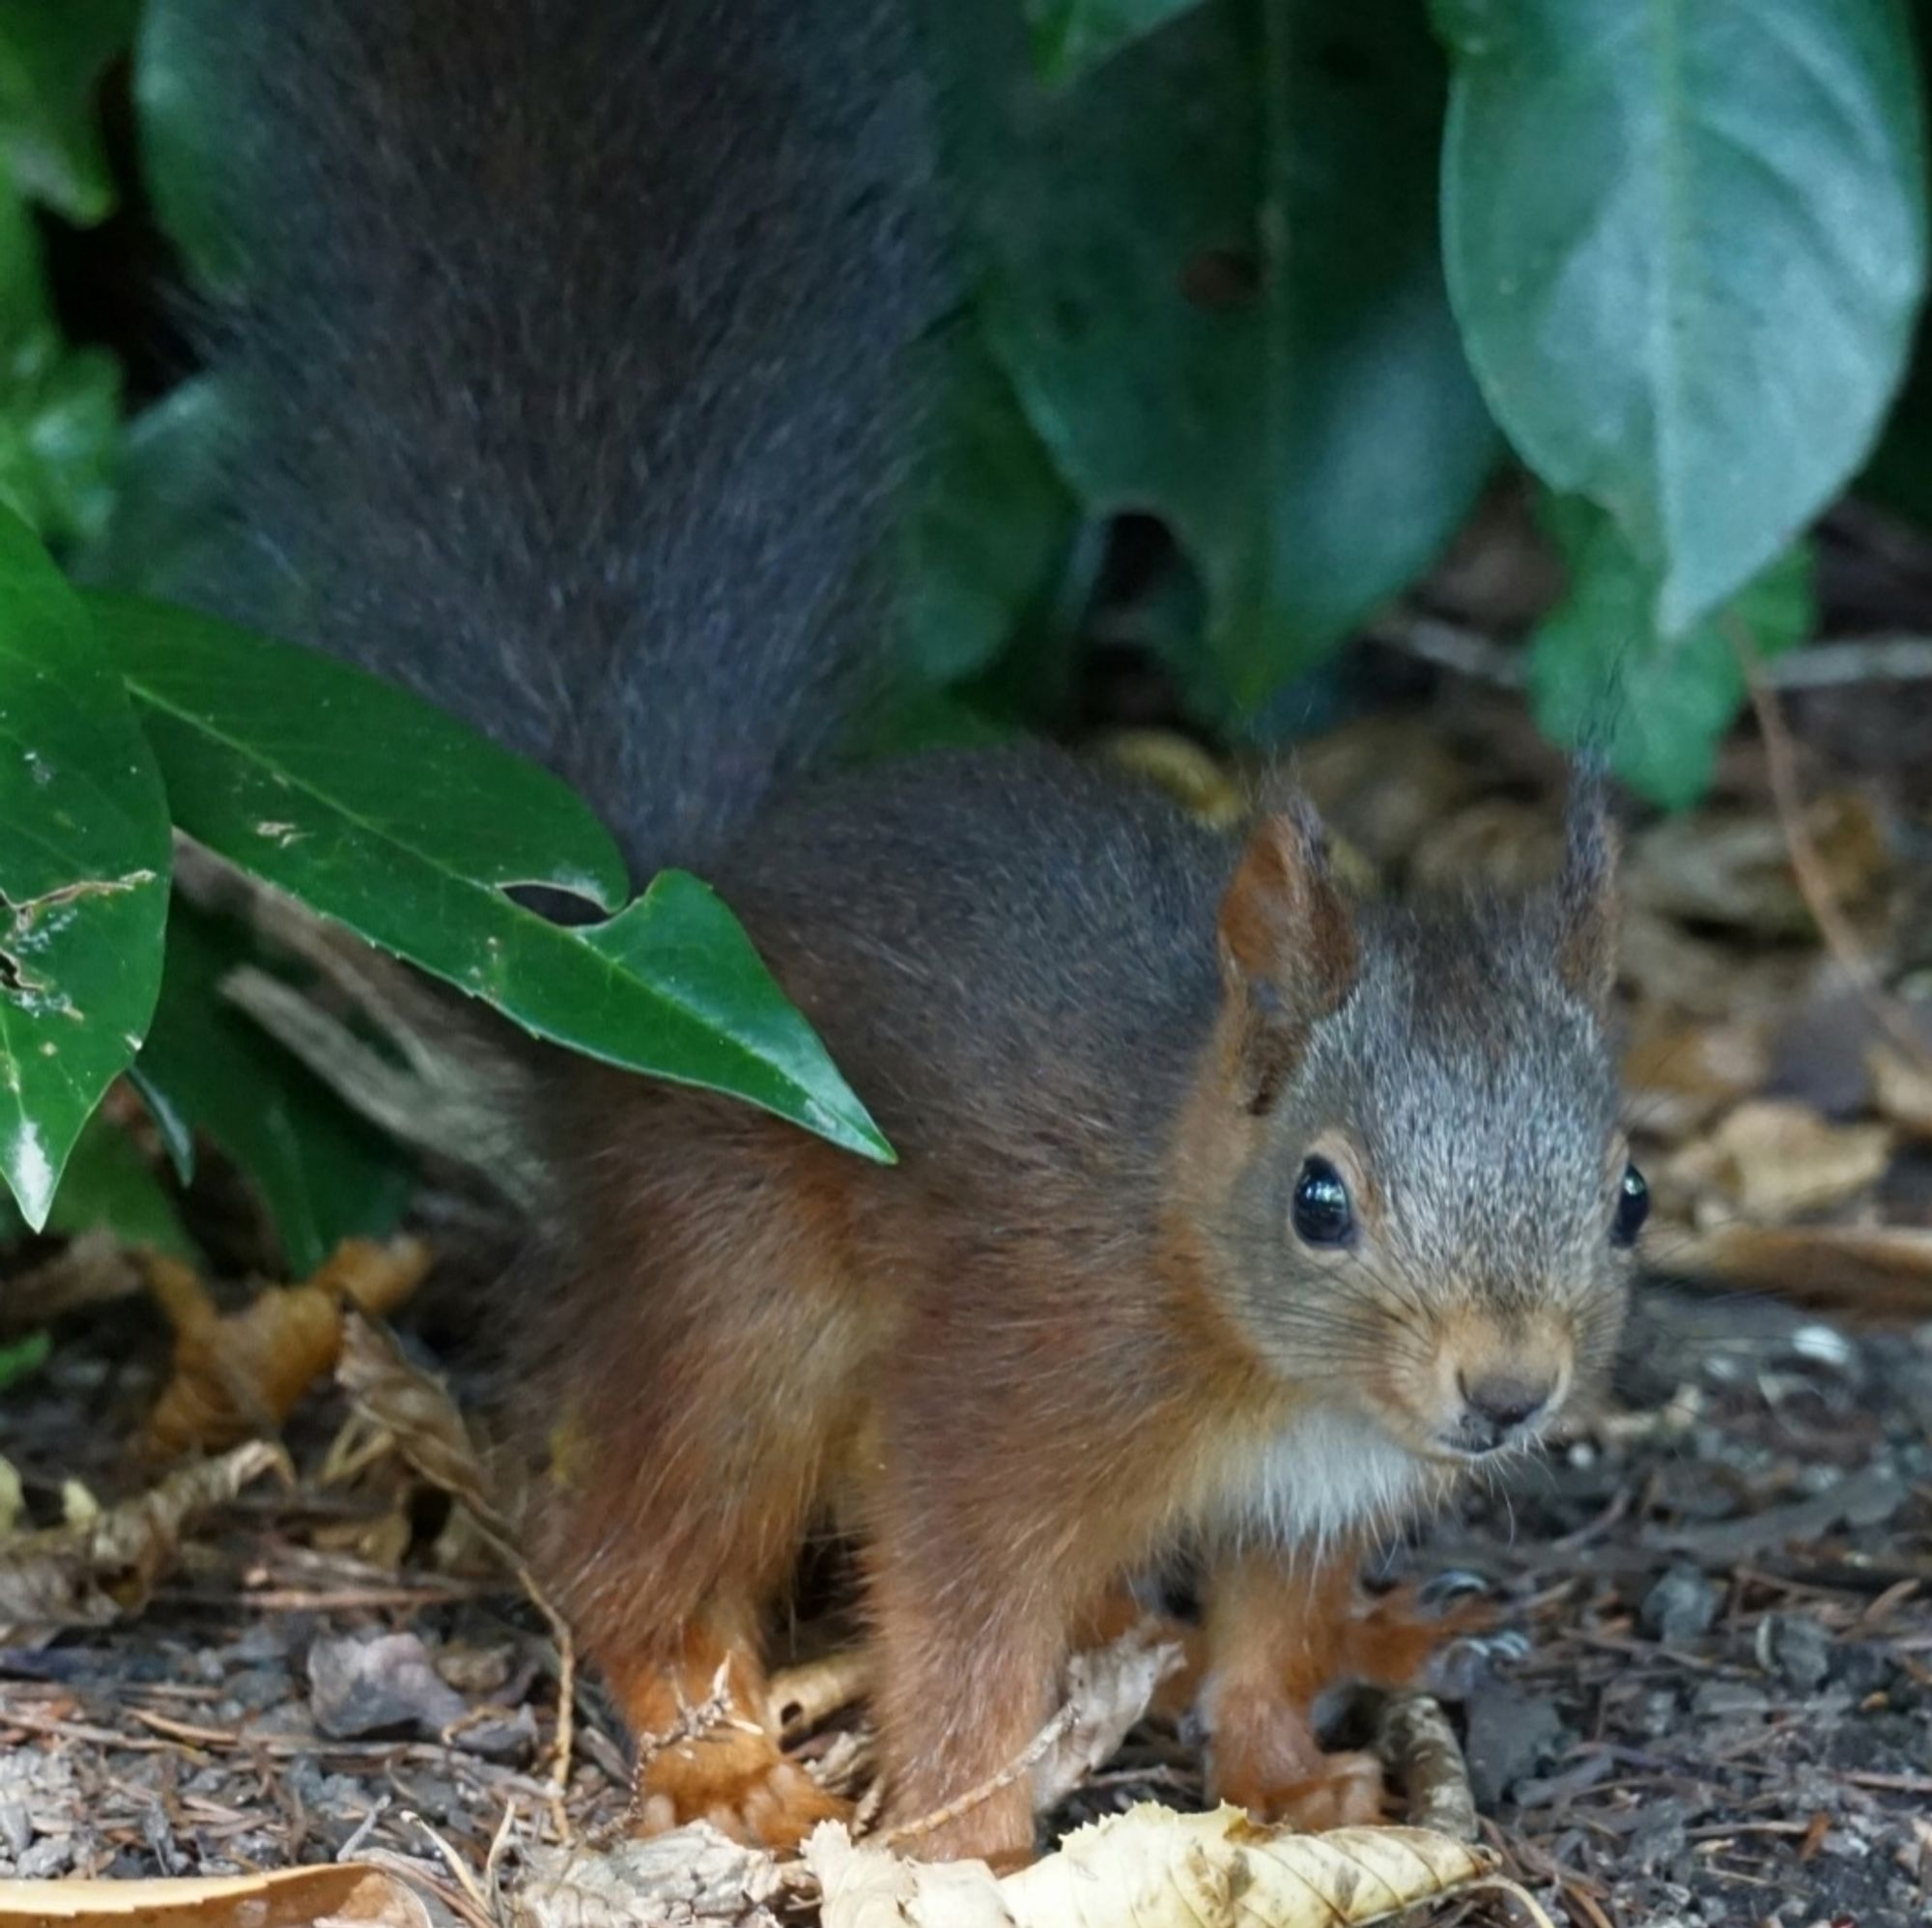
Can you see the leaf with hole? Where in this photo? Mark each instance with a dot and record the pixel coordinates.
(381, 812)
(84, 865)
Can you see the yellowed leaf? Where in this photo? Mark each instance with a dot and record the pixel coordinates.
(1181, 768)
(1152, 1867)
(289, 1898)
(240, 1373)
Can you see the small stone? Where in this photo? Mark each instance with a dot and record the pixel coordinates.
(1863, 1667)
(1730, 1700)
(17, 1828)
(1509, 1735)
(1796, 1650)
(361, 1686)
(51, 1856)
(1681, 1606)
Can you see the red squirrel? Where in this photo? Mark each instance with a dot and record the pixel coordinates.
(583, 350)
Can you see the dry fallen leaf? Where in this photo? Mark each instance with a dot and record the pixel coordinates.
(1498, 841)
(1902, 1088)
(1772, 1159)
(691, 1876)
(1678, 1074)
(399, 1398)
(290, 1898)
(1880, 1273)
(240, 1373)
(1153, 1867)
(1726, 868)
(1182, 768)
(1106, 1691)
(87, 1574)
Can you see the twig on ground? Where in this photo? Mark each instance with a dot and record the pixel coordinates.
(1413, 1735)
(1814, 884)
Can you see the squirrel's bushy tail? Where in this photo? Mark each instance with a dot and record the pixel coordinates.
(574, 346)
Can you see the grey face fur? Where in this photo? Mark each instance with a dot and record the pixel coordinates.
(1469, 1095)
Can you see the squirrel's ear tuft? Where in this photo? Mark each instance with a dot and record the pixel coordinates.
(1289, 951)
(1586, 889)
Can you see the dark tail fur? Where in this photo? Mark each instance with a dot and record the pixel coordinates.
(576, 342)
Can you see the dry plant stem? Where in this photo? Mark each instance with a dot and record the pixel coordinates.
(1815, 885)
(1413, 1735)
(693, 1724)
(1502, 1885)
(1035, 1750)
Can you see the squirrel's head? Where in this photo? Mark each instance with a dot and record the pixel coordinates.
(1420, 1193)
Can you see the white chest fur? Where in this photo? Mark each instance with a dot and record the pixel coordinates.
(1328, 1474)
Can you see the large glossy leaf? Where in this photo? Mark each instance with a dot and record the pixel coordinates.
(84, 862)
(51, 56)
(1686, 243)
(1600, 672)
(322, 1173)
(990, 525)
(381, 812)
(197, 144)
(1070, 36)
(1214, 275)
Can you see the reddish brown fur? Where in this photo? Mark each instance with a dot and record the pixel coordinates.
(1011, 1364)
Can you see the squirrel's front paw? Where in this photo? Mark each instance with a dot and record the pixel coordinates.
(740, 1783)
(1347, 1793)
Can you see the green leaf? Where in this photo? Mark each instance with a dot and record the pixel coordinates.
(108, 1185)
(21, 1358)
(171, 1123)
(168, 530)
(59, 440)
(322, 1173)
(52, 54)
(394, 819)
(1600, 669)
(990, 525)
(1686, 243)
(1071, 35)
(198, 145)
(60, 410)
(84, 864)
(1214, 275)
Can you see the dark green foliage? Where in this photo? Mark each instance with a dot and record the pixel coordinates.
(1288, 277)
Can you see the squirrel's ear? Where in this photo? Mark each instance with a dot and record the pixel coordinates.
(1287, 945)
(1586, 891)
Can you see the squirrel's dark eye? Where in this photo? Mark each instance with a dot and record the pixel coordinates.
(1323, 1214)
(1632, 1207)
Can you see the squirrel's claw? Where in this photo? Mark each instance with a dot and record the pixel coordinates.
(1446, 1589)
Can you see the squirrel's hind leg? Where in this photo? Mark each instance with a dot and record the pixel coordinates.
(705, 1750)
(707, 1371)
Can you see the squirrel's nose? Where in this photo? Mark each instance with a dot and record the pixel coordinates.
(1500, 1403)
